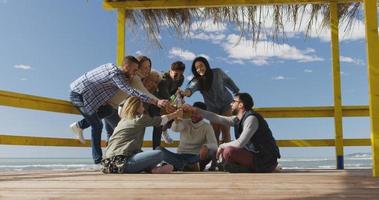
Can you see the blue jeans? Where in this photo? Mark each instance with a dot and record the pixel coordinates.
(179, 161)
(110, 116)
(93, 120)
(144, 161)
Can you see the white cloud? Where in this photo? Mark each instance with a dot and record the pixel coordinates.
(216, 38)
(308, 70)
(139, 52)
(230, 61)
(207, 30)
(23, 79)
(183, 54)
(357, 31)
(208, 26)
(279, 78)
(347, 59)
(264, 50)
(22, 66)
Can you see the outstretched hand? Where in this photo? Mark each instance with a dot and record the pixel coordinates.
(187, 107)
(162, 103)
(179, 113)
(219, 153)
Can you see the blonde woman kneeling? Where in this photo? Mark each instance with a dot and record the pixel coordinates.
(124, 151)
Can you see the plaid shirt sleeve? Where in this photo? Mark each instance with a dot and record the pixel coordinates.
(119, 80)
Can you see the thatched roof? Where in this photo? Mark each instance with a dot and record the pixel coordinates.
(249, 20)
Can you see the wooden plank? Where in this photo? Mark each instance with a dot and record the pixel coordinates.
(177, 4)
(289, 184)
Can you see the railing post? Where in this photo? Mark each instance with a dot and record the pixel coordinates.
(120, 36)
(372, 45)
(334, 23)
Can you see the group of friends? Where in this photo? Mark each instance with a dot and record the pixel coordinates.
(131, 97)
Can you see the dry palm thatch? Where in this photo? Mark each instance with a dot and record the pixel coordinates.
(250, 20)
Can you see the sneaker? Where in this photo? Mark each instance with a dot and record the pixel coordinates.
(166, 138)
(235, 168)
(192, 167)
(78, 131)
(162, 169)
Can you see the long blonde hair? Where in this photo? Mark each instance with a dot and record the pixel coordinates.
(130, 108)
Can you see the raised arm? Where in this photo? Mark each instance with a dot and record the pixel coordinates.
(218, 119)
(166, 118)
(120, 81)
(195, 86)
(137, 84)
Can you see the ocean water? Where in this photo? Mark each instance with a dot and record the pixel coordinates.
(353, 161)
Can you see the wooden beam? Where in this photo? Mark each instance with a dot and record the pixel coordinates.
(177, 4)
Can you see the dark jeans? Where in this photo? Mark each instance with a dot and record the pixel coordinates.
(111, 122)
(179, 161)
(93, 120)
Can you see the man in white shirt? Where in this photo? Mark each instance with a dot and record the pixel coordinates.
(198, 143)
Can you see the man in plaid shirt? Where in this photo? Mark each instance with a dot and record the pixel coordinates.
(91, 91)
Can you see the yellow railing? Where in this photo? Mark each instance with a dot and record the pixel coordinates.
(56, 105)
(65, 142)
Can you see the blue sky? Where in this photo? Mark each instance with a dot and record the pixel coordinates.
(45, 45)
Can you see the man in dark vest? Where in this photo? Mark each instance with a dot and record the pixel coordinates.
(254, 149)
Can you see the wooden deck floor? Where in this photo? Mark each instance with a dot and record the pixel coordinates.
(306, 184)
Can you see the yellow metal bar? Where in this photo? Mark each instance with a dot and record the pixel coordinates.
(334, 23)
(36, 103)
(177, 4)
(41, 141)
(65, 142)
(120, 36)
(371, 18)
(20, 100)
(306, 112)
(58, 142)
